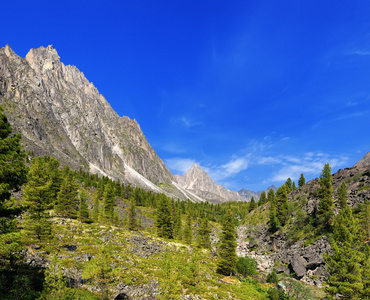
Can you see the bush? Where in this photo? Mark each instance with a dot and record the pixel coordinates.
(272, 277)
(246, 266)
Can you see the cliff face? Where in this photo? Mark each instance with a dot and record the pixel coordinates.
(60, 113)
(197, 181)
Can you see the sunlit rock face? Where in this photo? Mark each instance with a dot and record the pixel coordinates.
(60, 113)
(200, 183)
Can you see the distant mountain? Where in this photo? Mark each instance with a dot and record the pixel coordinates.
(363, 162)
(60, 113)
(198, 182)
(248, 194)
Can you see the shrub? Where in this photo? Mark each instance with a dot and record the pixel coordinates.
(246, 266)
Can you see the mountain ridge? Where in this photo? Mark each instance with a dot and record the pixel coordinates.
(60, 113)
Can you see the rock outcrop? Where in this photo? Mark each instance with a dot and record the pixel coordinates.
(198, 182)
(60, 113)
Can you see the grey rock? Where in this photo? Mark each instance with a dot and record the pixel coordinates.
(298, 265)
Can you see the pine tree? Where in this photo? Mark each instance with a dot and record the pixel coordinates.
(325, 210)
(67, 199)
(226, 253)
(294, 186)
(188, 233)
(37, 195)
(132, 224)
(301, 181)
(271, 196)
(177, 231)
(342, 195)
(13, 174)
(95, 212)
(164, 218)
(262, 200)
(203, 234)
(252, 205)
(289, 185)
(344, 264)
(282, 204)
(83, 210)
(109, 201)
(274, 223)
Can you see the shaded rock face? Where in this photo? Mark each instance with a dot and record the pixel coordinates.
(60, 113)
(197, 181)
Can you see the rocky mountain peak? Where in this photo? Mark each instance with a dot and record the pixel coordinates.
(201, 184)
(60, 113)
(363, 162)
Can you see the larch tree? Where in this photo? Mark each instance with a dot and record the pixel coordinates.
(109, 202)
(342, 192)
(67, 199)
(37, 197)
(13, 174)
(344, 264)
(325, 211)
(252, 205)
(83, 210)
(262, 200)
(163, 217)
(203, 235)
(282, 204)
(226, 253)
(301, 181)
(188, 233)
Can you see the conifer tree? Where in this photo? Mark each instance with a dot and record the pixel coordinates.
(203, 234)
(164, 218)
(83, 210)
(37, 195)
(262, 200)
(301, 181)
(342, 195)
(13, 174)
(282, 204)
(177, 231)
(109, 201)
(289, 185)
(188, 233)
(271, 196)
(67, 199)
(132, 224)
(252, 205)
(365, 220)
(294, 186)
(226, 253)
(95, 212)
(344, 264)
(125, 221)
(325, 210)
(274, 223)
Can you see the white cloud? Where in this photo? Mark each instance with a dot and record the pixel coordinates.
(235, 166)
(187, 122)
(310, 164)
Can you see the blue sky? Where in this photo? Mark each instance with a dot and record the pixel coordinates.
(253, 91)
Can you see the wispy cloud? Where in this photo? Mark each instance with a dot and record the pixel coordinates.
(359, 52)
(187, 121)
(310, 164)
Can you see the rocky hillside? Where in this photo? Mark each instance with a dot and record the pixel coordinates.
(294, 249)
(198, 182)
(60, 113)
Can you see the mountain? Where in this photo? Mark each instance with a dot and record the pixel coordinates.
(60, 113)
(363, 162)
(198, 182)
(248, 194)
